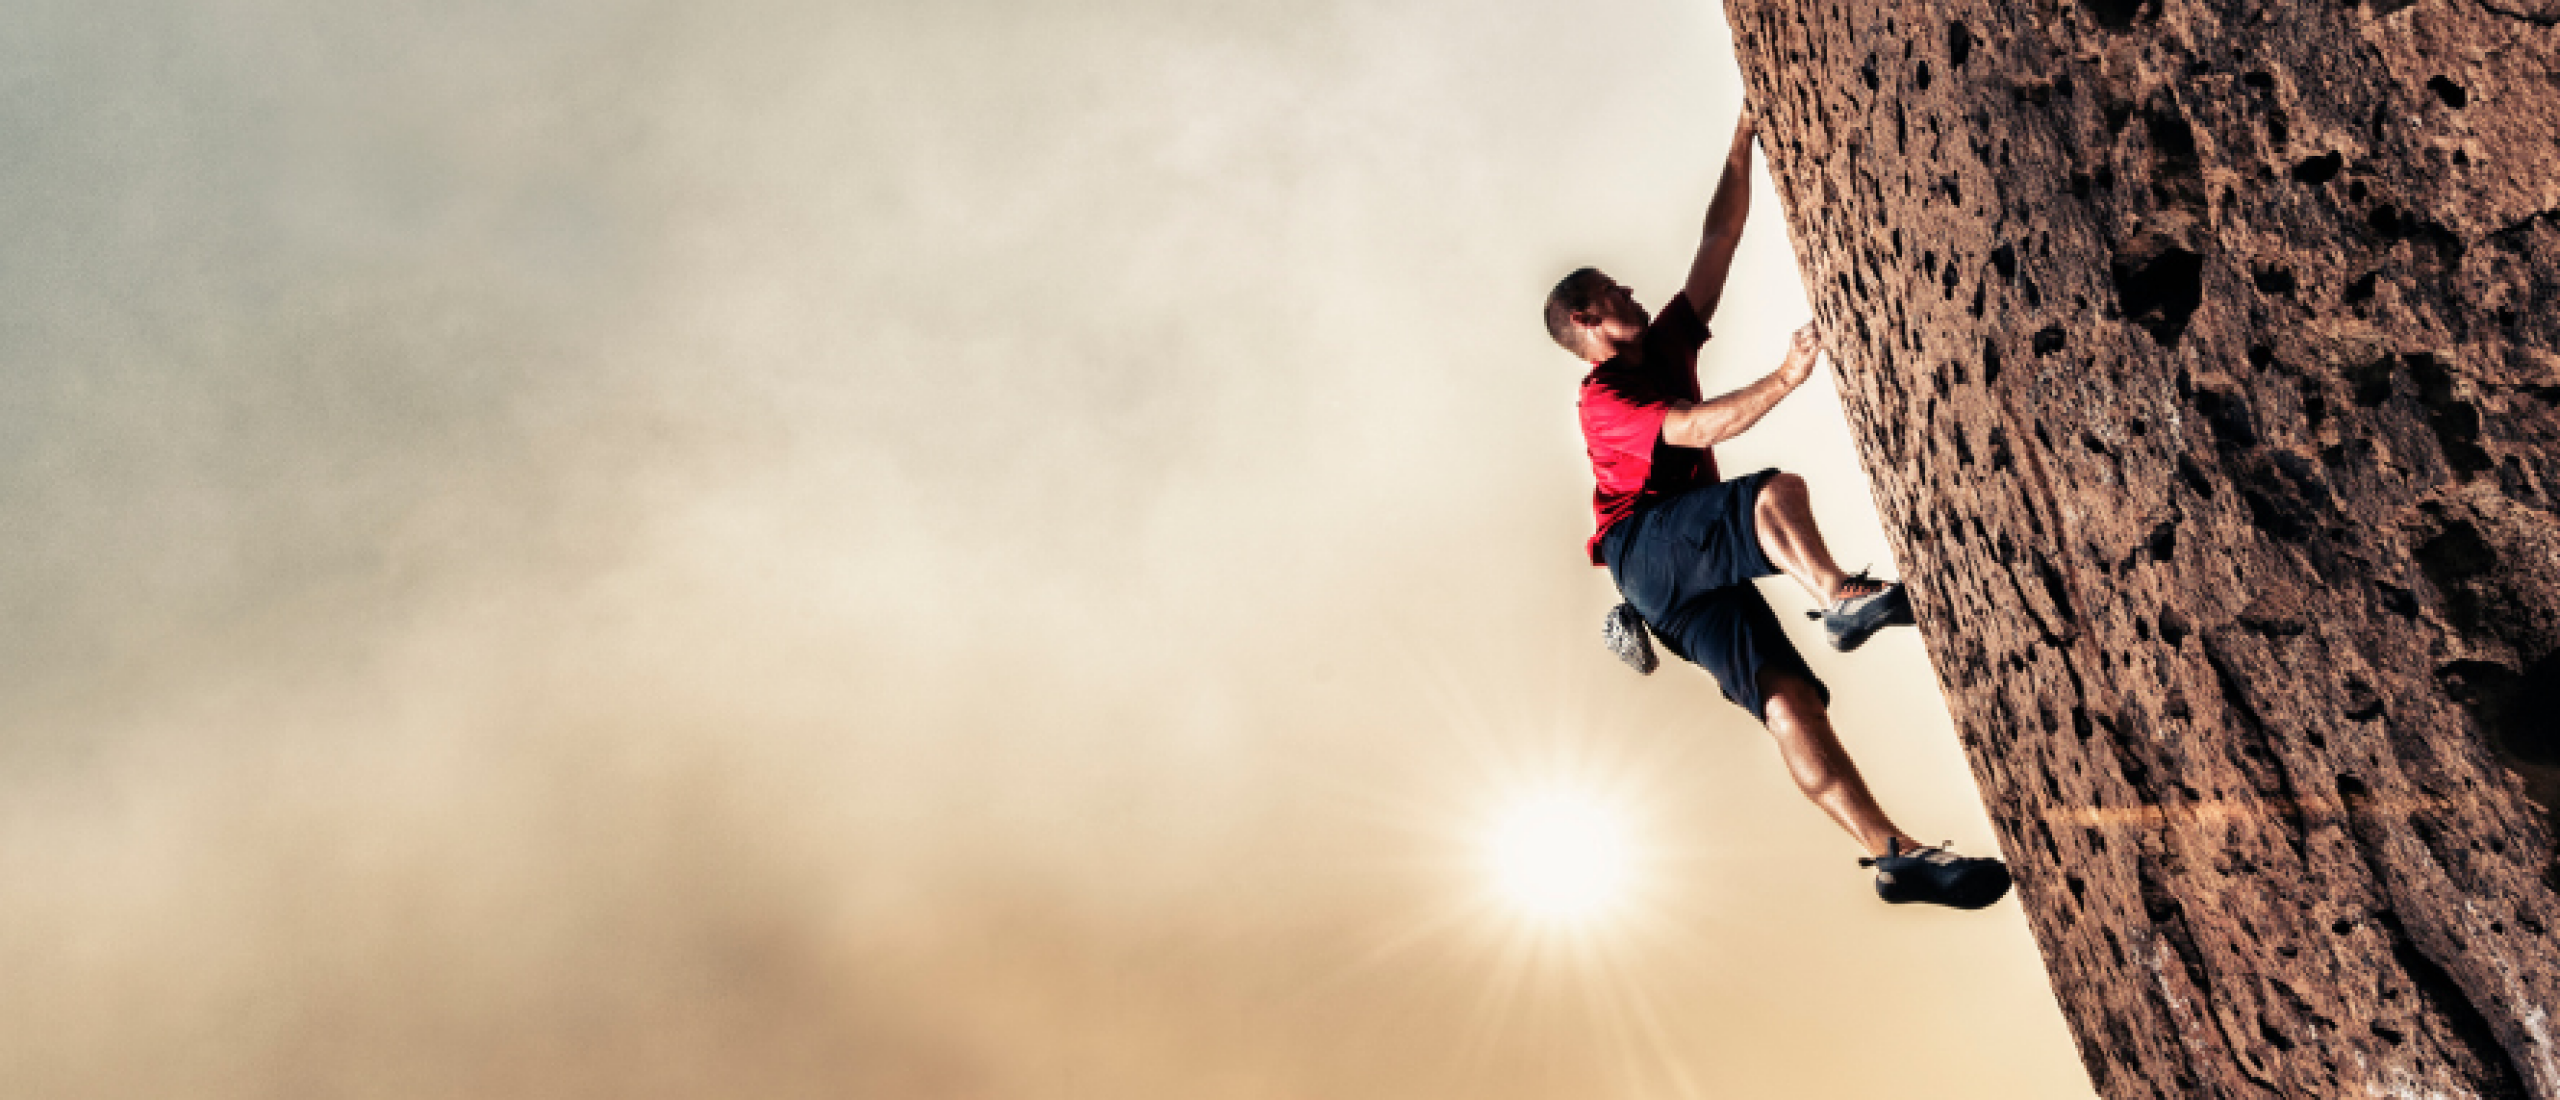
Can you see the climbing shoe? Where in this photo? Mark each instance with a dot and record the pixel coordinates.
(1624, 633)
(1938, 876)
(1851, 620)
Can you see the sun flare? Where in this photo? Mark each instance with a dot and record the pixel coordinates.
(1559, 856)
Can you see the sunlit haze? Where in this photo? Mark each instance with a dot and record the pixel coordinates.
(990, 551)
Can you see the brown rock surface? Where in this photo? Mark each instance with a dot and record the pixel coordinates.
(2203, 360)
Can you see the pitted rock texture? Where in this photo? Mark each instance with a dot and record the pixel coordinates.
(2203, 362)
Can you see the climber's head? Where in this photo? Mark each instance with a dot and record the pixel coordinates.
(1590, 315)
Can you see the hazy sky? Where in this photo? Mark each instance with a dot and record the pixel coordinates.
(986, 551)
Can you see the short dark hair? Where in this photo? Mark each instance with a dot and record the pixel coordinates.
(1572, 294)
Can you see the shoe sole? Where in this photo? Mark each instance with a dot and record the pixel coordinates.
(1980, 891)
(1624, 633)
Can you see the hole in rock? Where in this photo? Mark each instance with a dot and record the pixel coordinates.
(2194, 477)
(2397, 600)
(2363, 705)
(2173, 627)
(2176, 707)
(2385, 221)
(2372, 381)
(2456, 554)
(2228, 415)
(2115, 115)
(2519, 710)
(2279, 515)
(2275, 1038)
(2456, 423)
(2172, 138)
(2054, 590)
(2114, 15)
(1960, 45)
(2451, 93)
(2320, 169)
(2162, 293)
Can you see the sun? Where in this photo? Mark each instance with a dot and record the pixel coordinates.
(1561, 856)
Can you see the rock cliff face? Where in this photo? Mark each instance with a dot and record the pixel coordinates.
(2206, 363)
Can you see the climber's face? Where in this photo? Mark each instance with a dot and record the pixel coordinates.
(1609, 316)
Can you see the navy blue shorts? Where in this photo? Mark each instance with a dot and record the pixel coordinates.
(1687, 564)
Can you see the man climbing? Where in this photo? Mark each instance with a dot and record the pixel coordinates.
(1684, 546)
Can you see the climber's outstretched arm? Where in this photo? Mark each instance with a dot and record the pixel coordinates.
(1725, 215)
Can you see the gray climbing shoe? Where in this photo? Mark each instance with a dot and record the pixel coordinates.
(1624, 633)
(1853, 620)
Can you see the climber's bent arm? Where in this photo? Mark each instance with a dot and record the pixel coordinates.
(1707, 423)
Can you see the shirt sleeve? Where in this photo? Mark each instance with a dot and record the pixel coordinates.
(1675, 331)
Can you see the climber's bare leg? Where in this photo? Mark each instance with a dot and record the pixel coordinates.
(1784, 519)
(1822, 770)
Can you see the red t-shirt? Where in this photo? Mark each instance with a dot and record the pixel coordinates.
(1624, 400)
